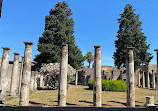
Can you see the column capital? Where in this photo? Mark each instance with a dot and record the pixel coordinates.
(28, 43)
(156, 50)
(15, 53)
(5, 48)
(97, 46)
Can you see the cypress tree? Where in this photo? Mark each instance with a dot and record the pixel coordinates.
(130, 34)
(59, 29)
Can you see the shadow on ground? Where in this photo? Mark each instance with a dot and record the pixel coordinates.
(71, 109)
(66, 103)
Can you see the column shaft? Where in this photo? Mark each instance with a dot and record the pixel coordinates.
(148, 80)
(153, 79)
(139, 78)
(21, 70)
(157, 71)
(25, 86)
(76, 78)
(143, 78)
(14, 79)
(130, 78)
(32, 80)
(41, 81)
(4, 72)
(97, 87)
(62, 91)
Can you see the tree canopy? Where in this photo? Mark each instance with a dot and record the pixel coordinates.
(130, 35)
(89, 57)
(59, 29)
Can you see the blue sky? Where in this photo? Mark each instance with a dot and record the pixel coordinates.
(95, 24)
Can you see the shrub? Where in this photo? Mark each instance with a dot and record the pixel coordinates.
(110, 85)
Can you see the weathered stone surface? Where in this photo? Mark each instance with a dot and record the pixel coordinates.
(138, 78)
(97, 78)
(130, 78)
(148, 80)
(143, 78)
(157, 70)
(153, 79)
(76, 78)
(36, 80)
(25, 87)
(4, 72)
(62, 90)
(150, 101)
(32, 80)
(20, 76)
(41, 80)
(14, 79)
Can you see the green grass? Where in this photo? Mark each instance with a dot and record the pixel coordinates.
(80, 96)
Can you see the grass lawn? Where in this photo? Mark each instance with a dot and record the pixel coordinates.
(81, 96)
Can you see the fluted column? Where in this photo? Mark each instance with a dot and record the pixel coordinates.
(14, 79)
(62, 90)
(130, 78)
(97, 87)
(25, 86)
(4, 73)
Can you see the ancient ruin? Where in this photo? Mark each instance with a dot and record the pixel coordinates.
(62, 91)
(25, 83)
(97, 77)
(4, 73)
(130, 83)
(14, 79)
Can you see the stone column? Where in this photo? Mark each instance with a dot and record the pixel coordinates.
(25, 86)
(4, 72)
(41, 81)
(97, 88)
(21, 70)
(148, 80)
(143, 79)
(32, 80)
(76, 78)
(130, 77)
(14, 79)
(153, 79)
(139, 78)
(62, 90)
(35, 80)
(157, 71)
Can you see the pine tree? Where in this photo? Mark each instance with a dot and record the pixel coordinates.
(59, 29)
(130, 34)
